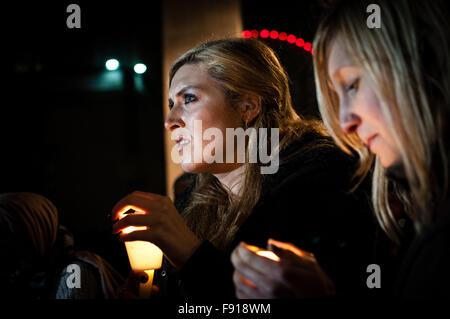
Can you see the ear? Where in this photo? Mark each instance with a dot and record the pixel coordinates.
(250, 107)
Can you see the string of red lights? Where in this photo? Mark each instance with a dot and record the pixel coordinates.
(282, 36)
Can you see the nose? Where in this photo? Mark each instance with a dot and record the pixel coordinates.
(348, 120)
(173, 121)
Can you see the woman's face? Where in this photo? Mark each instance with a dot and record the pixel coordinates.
(195, 96)
(359, 106)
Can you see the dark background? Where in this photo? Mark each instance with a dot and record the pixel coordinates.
(82, 137)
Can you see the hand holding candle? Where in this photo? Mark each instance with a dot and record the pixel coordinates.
(282, 272)
(157, 221)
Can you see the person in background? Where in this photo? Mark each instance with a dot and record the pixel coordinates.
(38, 256)
(385, 94)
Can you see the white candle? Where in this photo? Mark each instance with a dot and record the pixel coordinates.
(143, 255)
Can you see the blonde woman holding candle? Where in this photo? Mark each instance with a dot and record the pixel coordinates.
(384, 93)
(239, 83)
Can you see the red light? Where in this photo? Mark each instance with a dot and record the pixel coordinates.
(299, 42)
(307, 46)
(274, 34)
(291, 38)
(282, 36)
(246, 34)
(264, 33)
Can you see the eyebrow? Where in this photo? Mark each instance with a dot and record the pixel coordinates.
(338, 71)
(336, 74)
(184, 90)
(188, 87)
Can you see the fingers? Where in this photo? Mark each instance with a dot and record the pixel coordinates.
(245, 268)
(274, 244)
(150, 196)
(135, 220)
(256, 276)
(150, 204)
(131, 288)
(244, 288)
(145, 235)
(140, 201)
(264, 265)
(294, 274)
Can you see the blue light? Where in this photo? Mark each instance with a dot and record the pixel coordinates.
(112, 65)
(140, 68)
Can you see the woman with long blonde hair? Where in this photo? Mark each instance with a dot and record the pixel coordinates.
(385, 94)
(240, 84)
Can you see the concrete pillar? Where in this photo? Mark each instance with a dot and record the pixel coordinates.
(186, 24)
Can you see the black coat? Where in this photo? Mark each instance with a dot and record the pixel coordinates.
(425, 270)
(305, 203)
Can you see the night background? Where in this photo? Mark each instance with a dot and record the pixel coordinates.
(84, 136)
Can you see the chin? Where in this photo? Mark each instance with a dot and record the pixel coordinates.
(195, 167)
(387, 162)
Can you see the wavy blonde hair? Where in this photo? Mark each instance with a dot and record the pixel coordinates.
(407, 60)
(241, 67)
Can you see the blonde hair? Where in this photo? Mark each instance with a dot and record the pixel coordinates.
(242, 67)
(407, 60)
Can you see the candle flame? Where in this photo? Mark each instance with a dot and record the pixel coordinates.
(263, 253)
(268, 254)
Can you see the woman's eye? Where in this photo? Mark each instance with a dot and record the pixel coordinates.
(188, 98)
(352, 88)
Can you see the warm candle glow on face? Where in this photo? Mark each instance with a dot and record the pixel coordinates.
(263, 252)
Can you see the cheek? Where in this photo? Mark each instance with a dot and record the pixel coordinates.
(373, 120)
(212, 114)
(367, 106)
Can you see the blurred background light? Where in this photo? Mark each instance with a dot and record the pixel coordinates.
(307, 46)
(300, 42)
(291, 38)
(264, 33)
(140, 68)
(282, 36)
(274, 34)
(246, 34)
(112, 65)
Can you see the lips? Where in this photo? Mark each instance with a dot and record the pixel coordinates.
(369, 141)
(181, 142)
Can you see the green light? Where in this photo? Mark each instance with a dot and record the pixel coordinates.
(112, 65)
(140, 68)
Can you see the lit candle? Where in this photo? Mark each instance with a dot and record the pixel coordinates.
(143, 255)
(263, 252)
